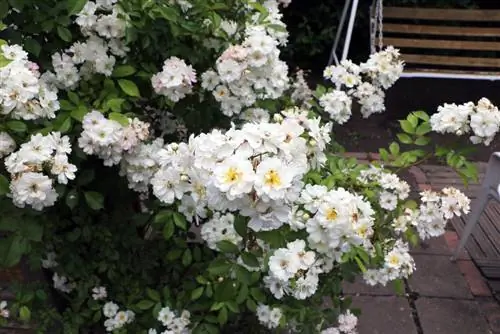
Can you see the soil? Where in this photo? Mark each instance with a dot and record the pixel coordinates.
(411, 94)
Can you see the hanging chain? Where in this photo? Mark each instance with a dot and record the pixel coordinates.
(380, 15)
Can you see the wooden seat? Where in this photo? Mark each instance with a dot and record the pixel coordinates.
(446, 43)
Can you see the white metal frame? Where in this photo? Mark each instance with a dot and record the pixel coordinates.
(348, 36)
(490, 190)
(445, 75)
(353, 5)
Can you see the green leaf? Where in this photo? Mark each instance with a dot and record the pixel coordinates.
(32, 46)
(173, 255)
(196, 293)
(422, 141)
(168, 13)
(17, 126)
(423, 129)
(168, 230)
(243, 275)
(404, 138)
(258, 295)
(12, 249)
(187, 257)
(180, 221)
(115, 104)
(66, 105)
(153, 295)
(4, 185)
(250, 260)
(226, 246)
(66, 125)
(75, 6)
(384, 154)
(64, 33)
(422, 115)
(128, 87)
(243, 294)
(240, 225)
(73, 97)
(72, 198)
(251, 305)
(79, 112)
(120, 118)
(407, 126)
(413, 120)
(145, 304)
(94, 200)
(394, 148)
(121, 71)
(162, 217)
(222, 317)
(219, 267)
(31, 230)
(399, 286)
(24, 314)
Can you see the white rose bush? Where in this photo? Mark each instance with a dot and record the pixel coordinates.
(170, 175)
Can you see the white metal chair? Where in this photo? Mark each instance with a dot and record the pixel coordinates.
(490, 189)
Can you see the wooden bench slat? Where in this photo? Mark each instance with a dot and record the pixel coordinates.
(441, 44)
(451, 61)
(440, 30)
(441, 14)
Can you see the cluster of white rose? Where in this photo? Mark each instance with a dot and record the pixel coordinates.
(301, 93)
(483, 119)
(174, 324)
(366, 83)
(347, 323)
(247, 72)
(140, 164)
(269, 316)
(62, 283)
(29, 185)
(23, 93)
(256, 170)
(108, 139)
(275, 27)
(176, 79)
(438, 207)
(219, 228)
(4, 311)
(392, 187)
(116, 319)
(294, 271)
(103, 23)
(99, 293)
(335, 220)
(398, 263)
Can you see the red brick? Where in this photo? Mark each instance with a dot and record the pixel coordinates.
(491, 310)
(424, 186)
(373, 156)
(477, 285)
(418, 174)
(452, 239)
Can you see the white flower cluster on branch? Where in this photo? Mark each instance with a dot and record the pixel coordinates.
(103, 23)
(32, 163)
(23, 94)
(176, 79)
(483, 119)
(108, 139)
(366, 83)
